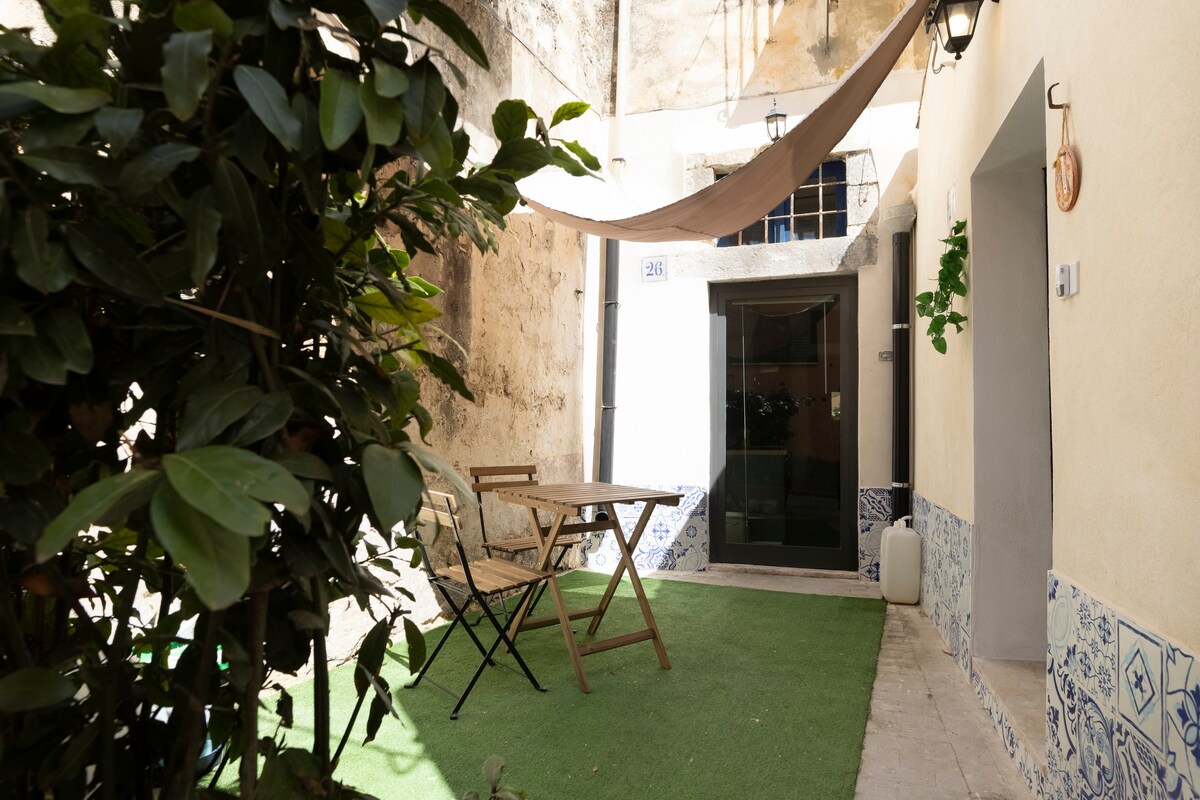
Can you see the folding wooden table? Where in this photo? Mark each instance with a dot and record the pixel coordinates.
(568, 500)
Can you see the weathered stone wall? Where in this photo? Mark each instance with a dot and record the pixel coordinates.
(724, 50)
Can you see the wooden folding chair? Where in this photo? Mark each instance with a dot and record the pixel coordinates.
(507, 477)
(479, 581)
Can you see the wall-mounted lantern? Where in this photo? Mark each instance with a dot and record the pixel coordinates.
(776, 122)
(955, 21)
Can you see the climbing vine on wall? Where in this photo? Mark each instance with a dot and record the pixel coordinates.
(938, 305)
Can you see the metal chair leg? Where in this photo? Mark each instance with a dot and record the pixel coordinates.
(501, 637)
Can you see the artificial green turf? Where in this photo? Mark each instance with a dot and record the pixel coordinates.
(767, 698)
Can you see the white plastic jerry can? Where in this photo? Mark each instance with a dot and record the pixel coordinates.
(900, 563)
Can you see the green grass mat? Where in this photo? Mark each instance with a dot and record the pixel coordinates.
(767, 698)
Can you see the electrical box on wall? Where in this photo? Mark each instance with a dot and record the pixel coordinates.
(1066, 280)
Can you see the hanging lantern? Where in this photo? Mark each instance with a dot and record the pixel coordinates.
(955, 21)
(776, 122)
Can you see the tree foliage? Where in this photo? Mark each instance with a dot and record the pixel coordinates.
(210, 365)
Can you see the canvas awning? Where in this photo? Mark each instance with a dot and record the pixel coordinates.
(754, 189)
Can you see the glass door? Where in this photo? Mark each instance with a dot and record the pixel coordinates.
(785, 408)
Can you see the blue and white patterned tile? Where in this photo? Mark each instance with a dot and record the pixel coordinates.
(1140, 773)
(1093, 654)
(1097, 754)
(676, 537)
(874, 503)
(1062, 713)
(1140, 681)
(1060, 620)
(870, 534)
(1182, 710)
(1017, 750)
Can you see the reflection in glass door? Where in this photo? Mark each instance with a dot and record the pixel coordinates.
(787, 458)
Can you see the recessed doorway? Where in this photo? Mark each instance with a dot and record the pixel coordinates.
(785, 423)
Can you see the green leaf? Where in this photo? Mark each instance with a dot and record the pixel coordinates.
(386, 10)
(384, 116)
(218, 491)
(23, 461)
(510, 120)
(237, 207)
(216, 560)
(925, 297)
(452, 25)
(200, 247)
(370, 655)
(33, 688)
(959, 227)
(377, 306)
(269, 102)
(304, 465)
(200, 15)
(51, 129)
(59, 98)
(212, 409)
(394, 484)
(583, 154)
(424, 100)
(41, 264)
(562, 159)
(421, 287)
(958, 287)
(447, 374)
(110, 258)
(152, 167)
(90, 506)
(272, 413)
(432, 462)
(380, 706)
(390, 81)
(437, 148)
(118, 126)
(939, 344)
(568, 111)
(68, 333)
(79, 165)
(14, 321)
(416, 646)
(41, 360)
(185, 71)
(251, 473)
(521, 157)
(339, 110)
(492, 770)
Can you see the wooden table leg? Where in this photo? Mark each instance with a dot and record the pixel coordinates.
(627, 557)
(615, 580)
(545, 552)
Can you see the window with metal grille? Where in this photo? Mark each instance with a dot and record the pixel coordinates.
(816, 210)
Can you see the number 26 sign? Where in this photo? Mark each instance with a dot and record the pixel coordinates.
(654, 268)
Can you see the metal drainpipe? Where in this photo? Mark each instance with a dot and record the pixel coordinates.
(612, 253)
(901, 375)
(608, 368)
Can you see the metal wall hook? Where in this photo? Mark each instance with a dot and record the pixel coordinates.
(1050, 98)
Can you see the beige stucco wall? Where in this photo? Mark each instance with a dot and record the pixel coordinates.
(717, 50)
(1124, 381)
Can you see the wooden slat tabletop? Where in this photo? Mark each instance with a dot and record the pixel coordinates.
(562, 496)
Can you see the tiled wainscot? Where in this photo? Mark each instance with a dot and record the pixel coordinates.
(1122, 705)
(676, 537)
(874, 514)
(946, 574)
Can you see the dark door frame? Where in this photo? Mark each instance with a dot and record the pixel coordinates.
(844, 557)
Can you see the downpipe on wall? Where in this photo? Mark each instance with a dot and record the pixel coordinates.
(901, 374)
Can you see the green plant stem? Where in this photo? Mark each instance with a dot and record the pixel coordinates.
(259, 347)
(248, 773)
(187, 751)
(349, 727)
(320, 682)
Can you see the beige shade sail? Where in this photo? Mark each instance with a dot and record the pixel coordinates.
(747, 195)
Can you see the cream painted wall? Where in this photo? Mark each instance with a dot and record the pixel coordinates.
(1124, 376)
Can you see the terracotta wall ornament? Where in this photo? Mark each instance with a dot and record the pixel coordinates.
(1066, 166)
